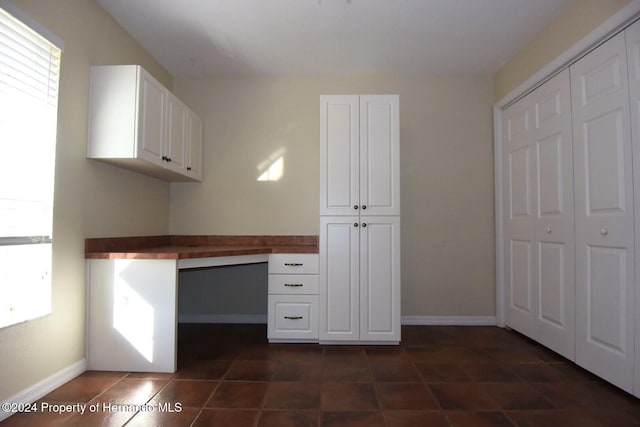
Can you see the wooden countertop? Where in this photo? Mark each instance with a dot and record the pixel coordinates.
(182, 247)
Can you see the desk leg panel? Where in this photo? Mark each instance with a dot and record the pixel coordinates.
(131, 315)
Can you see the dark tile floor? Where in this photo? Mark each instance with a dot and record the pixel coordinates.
(439, 376)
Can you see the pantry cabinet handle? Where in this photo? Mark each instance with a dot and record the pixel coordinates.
(293, 285)
(293, 264)
(293, 317)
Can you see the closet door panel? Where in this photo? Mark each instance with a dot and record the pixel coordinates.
(555, 287)
(538, 181)
(604, 214)
(519, 176)
(632, 35)
(552, 284)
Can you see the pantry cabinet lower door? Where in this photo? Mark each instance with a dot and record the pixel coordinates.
(339, 278)
(380, 279)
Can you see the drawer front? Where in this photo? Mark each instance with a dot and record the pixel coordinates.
(293, 317)
(293, 264)
(293, 284)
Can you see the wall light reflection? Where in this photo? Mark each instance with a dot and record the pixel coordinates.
(132, 315)
(272, 169)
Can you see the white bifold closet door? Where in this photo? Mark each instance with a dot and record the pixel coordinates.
(632, 35)
(538, 195)
(604, 213)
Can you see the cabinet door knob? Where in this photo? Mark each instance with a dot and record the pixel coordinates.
(168, 159)
(188, 168)
(364, 207)
(355, 224)
(164, 157)
(548, 230)
(355, 207)
(364, 224)
(604, 231)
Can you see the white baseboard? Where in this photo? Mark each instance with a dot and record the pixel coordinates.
(38, 390)
(222, 318)
(449, 320)
(405, 320)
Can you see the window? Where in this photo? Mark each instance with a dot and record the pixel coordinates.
(29, 72)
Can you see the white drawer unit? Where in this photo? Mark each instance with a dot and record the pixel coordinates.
(293, 298)
(293, 284)
(293, 264)
(293, 318)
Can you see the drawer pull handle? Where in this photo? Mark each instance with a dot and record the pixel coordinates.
(293, 317)
(293, 264)
(293, 285)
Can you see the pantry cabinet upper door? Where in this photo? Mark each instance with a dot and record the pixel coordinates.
(604, 213)
(379, 155)
(339, 155)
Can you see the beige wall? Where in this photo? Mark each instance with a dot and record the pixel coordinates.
(575, 22)
(91, 199)
(446, 175)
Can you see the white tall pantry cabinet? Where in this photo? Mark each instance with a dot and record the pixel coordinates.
(571, 217)
(360, 219)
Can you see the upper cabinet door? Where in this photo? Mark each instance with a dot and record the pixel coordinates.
(604, 213)
(151, 120)
(175, 150)
(339, 155)
(194, 146)
(379, 155)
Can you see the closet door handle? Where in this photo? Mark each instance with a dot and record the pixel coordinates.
(355, 207)
(355, 224)
(364, 207)
(364, 224)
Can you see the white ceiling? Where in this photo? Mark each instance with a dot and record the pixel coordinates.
(301, 37)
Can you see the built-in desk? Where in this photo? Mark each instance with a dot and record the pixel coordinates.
(132, 291)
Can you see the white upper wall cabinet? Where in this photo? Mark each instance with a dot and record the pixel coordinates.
(359, 155)
(136, 123)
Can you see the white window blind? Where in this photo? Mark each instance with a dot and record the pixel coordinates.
(29, 80)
